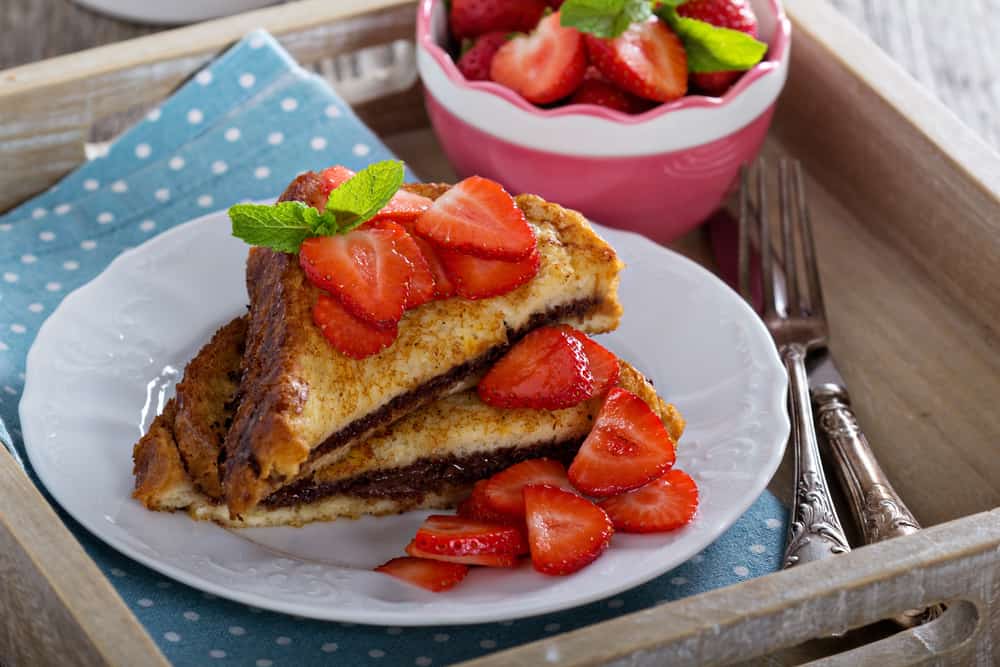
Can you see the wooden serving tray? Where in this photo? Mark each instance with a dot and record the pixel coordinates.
(906, 204)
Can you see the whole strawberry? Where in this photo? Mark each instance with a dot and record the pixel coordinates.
(732, 14)
(472, 18)
(475, 63)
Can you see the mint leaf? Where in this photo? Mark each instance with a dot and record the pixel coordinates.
(282, 227)
(603, 18)
(360, 198)
(710, 48)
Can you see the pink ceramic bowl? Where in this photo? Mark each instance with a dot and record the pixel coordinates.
(659, 173)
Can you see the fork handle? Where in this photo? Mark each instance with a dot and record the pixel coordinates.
(814, 531)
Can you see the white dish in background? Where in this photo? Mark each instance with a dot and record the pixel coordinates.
(107, 359)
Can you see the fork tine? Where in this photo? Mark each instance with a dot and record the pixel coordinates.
(808, 245)
(764, 239)
(793, 305)
(744, 235)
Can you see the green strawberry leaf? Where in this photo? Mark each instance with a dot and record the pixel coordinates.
(603, 18)
(713, 49)
(282, 227)
(360, 198)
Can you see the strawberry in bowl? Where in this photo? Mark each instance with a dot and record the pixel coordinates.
(637, 113)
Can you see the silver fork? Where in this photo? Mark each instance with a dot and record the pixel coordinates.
(794, 314)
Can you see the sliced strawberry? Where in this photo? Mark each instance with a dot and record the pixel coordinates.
(471, 18)
(604, 364)
(353, 337)
(476, 506)
(486, 560)
(627, 448)
(443, 285)
(475, 63)
(402, 207)
(647, 60)
(478, 217)
(364, 269)
(544, 66)
(566, 532)
(664, 504)
(458, 536)
(478, 278)
(732, 14)
(546, 370)
(503, 491)
(432, 575)
(423, 287)
(604, 94)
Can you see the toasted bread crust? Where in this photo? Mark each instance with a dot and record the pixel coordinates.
(297, 392)
(159, 474)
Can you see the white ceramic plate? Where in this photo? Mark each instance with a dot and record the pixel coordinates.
(107, 359)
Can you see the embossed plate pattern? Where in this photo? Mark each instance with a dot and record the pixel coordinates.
(107, 359)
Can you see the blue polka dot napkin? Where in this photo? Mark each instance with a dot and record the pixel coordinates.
(241, 129)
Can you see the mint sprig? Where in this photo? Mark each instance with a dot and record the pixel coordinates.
(285, 225)
(709, 48)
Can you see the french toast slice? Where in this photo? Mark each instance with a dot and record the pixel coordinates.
(428, 459)
(302, 404)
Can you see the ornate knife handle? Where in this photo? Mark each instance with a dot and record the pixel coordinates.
(878, 509)
(814, 531)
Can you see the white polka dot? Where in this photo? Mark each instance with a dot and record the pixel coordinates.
(772, 523)
(376, 653)
(332, 111)
(10, 390)
(678, 581)
(275, 138)
(217, 653)
(263, 662)
(3, 346)
(317, 143)
(205, 201)
(247, 80)
(256, 41)
(283, 641)
(617, 603)
(422, 661)
(289, 104)
(53, 287)
(488, 643)
(39, 213)
(153, 115)
(88, 245)
(143, 151)
(441, 637)
(18, 328)
(163, 194)
(329, 647)
(28, 259)
(171, 636)
(233, 134)
(237, 631)
(10, 277)
(361, 150)
(204, 77)
(741, 571)
(91, 184)
(758, 548)
(119, 186)
(261, 172)
(145, 602)
(219, 167)
(62, 209)
(6, 227)
(191, 615)
(552, 627)
(147, 225)
(46, 236)
(35, 307)
(115, 572)
(176, 163)
(195, 116)
(105, 217)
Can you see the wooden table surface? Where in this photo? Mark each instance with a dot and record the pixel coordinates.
(950, 47)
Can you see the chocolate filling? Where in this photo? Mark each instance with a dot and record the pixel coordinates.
(432, 389)
(424, 476)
